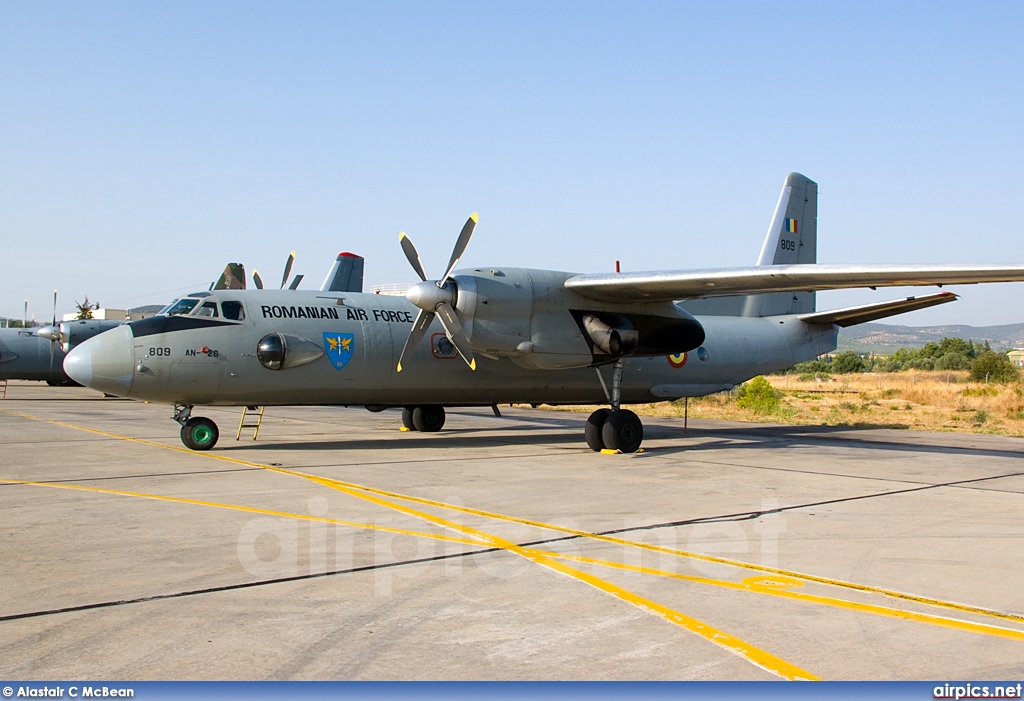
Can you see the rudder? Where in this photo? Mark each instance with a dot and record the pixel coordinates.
(792, 238)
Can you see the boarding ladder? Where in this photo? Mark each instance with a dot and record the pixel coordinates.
(255, 419)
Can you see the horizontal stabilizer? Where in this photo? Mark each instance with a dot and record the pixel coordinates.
(670, 285)
(852, 316)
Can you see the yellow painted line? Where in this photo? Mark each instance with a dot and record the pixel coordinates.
(939, 603)
(929, 601)
(141, 441)
(760, 658)
(250, 509)
(779, 587)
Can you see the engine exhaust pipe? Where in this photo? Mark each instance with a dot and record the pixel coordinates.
(614, 342)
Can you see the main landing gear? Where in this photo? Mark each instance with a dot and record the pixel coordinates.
(197, 432)
(615, 428)
(428, 418)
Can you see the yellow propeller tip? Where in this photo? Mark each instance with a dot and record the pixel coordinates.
(401, 235)
(472, 364)
(399, 367)
(475, 217)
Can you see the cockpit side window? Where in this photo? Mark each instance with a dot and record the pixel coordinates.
(179, 306)
(207, 309)
(233, 310)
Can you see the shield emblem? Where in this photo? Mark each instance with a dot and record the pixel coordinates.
(339, 348)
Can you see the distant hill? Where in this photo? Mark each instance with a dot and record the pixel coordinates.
(885, 338)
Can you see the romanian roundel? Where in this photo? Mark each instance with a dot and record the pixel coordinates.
(677, 361)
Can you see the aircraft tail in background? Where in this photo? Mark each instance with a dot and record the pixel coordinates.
(346, 275)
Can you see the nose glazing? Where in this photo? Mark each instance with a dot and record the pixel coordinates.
(105, 363)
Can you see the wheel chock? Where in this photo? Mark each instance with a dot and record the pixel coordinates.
(609, 451)
(404, 429)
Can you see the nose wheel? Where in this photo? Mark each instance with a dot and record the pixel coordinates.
(615, 428)
(197, 432)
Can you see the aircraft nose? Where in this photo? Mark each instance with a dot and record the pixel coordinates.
(105, 363)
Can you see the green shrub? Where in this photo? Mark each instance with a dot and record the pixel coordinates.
(848, 362)
(994, 367)
(759, 396)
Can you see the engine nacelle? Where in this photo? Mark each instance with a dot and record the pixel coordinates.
(529, 316)
(74, 332)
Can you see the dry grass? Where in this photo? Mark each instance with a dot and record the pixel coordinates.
(929, 401)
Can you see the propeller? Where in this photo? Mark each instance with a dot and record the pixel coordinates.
(287, 269)
(437, 297)
(52, 332)
(258, 281)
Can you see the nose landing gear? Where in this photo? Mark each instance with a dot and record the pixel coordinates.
(197, 432)
(616, 428)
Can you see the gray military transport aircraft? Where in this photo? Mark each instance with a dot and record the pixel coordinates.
(526, 336)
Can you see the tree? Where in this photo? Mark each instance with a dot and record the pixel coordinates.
(953, 360)
(85, 308)
(956, 345)
(995, 367)
(847, 362)
(759, 396)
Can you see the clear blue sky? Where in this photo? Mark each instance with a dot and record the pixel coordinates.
(143, 144)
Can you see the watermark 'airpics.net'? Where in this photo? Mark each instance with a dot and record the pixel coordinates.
(398, 548)
(968, 690)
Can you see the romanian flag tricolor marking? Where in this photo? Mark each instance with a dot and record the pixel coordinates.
(790, 226)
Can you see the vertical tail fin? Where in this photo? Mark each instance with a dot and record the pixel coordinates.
(346, 275)
(233, 278)
(792, 238)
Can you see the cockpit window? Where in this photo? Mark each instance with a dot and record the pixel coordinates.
(207, 309)
(233, 310)
(179, 306)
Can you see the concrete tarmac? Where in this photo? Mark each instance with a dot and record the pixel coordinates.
(338, 547)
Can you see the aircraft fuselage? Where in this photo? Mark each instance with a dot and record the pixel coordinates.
(346, 347)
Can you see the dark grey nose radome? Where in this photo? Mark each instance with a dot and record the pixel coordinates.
(105, 363)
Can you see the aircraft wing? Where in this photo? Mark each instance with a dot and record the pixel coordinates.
(720, 282)
(864, 313)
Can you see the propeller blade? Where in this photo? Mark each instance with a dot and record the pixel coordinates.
(456, 333)
(419, 328)
(53, 342)
(257, 280)
(295, 283)
(411, 255)
(287, 269)
(460, 246)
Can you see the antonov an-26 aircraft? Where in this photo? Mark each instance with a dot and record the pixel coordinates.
(524, 336)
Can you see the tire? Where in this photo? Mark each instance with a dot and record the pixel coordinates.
(595, 422)
(199, 433)
(407, 418)
(428, 418)
(623, 431)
